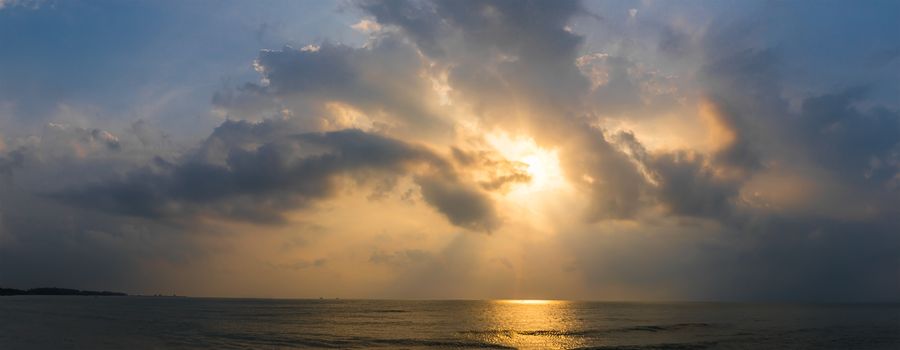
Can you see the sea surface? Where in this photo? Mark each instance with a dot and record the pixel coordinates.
(73, 322)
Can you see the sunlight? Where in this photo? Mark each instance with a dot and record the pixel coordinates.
(542, 164)
(532, 324)
(530, 301)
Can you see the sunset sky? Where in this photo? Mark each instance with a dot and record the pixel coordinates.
(596, 150)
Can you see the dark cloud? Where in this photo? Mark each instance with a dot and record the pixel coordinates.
(10, 161)
(687, 185)
(463, 206)
(860, 146)
(257, 171)
(616, 185)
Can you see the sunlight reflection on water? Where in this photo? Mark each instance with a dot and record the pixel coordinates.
(36, 322)
(537, 324)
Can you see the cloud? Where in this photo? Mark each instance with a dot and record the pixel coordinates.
(258, 171)
(304, 264)
(367, 26)
(11, 160)
(859, 145)
(502, 56)
(31, 4)
(706, 155)
(500, 173)
(775, 258)
(401, 258)
(689, 186)
(382, 79)
(463, 206)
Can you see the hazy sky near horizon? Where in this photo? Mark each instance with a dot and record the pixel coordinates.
(612, 150)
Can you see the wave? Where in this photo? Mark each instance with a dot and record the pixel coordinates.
(588, 332)
(664, 346)
(440, 343)
(389, 311)
(256, 340)
(669, 327)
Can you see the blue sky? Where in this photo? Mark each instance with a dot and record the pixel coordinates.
(118, 59)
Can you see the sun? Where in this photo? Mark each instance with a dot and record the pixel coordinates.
(542, 164)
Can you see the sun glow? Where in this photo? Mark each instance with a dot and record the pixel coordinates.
(542, 164)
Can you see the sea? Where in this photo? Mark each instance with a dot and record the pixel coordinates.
(80, 322)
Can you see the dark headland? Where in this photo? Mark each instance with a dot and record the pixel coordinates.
(57, 291)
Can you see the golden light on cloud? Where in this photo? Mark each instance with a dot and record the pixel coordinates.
(343, 116)
(720, 132)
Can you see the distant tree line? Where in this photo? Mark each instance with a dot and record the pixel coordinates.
(57, 291)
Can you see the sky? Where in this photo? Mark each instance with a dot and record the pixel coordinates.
(594, 150)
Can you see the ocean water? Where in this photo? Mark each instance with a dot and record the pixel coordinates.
(37, 322)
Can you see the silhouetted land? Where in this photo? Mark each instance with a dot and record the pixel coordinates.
(57, 291)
